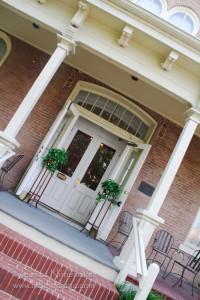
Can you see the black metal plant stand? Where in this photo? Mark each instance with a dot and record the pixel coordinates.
(94, 228)
(39, 186)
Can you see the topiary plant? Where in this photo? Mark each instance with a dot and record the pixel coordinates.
(111, 190)
(55, 159)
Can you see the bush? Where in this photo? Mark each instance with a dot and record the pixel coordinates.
(127, 292)
(55, 159)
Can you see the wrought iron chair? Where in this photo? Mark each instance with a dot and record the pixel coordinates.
(125, 225)
(7, 166)
(162, 246)
(192, 266)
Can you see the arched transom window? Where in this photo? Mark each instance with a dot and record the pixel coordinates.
(5, 47)
(183, 20)
(154, 6)
(115, 113)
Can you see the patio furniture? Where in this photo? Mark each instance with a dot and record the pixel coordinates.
(192, 266)
(125, 225)
(162, 246)
(8, 166)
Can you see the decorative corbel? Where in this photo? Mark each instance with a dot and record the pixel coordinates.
(80, 16)
(170, 61)
(125, 37)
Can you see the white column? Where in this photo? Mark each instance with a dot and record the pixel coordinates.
(149, 216)
(174, 162)
(7, 137)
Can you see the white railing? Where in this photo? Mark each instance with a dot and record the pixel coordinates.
(134, 253)
(146, 276)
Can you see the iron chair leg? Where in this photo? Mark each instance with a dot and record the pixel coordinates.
(180, 279)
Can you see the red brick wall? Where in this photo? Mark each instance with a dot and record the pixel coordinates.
(16, 77)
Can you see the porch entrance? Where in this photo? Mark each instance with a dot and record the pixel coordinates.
(93, 153)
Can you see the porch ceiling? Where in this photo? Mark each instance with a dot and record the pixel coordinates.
(97, 66)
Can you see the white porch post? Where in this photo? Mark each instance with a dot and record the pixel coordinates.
(7, 137)
(167, 178)
(149, 216)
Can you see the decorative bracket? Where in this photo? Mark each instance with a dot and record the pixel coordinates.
(170, 61)
(80, 16)
(125, 37)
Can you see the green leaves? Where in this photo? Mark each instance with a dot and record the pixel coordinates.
(128, 292)
(55, 159)
(111, 190)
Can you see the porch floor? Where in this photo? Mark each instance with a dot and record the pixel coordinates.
(56, 229)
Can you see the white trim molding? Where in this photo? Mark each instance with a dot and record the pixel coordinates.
(7, 41)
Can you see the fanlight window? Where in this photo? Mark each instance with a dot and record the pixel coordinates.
(183, 21)
(153, 6)
(113, 112)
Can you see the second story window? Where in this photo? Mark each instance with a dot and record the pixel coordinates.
(182, 20)
(153, 6)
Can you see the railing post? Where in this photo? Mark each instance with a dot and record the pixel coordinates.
(146, 282)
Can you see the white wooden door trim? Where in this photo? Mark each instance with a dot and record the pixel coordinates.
(36, 163)
(112, 215)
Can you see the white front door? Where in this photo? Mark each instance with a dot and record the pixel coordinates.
(93, 153)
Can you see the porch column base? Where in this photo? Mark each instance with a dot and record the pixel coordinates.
(149, 222)
(8, 144)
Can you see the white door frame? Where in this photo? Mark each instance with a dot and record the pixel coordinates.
(114, 212)
(36, 163)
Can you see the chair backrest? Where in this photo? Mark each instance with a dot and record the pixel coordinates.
(11, 162)
(194, 261)
(125, 223)
(163, 241)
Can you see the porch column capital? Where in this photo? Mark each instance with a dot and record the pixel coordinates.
(193, 114)
(66, 42)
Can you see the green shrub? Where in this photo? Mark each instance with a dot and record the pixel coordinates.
(111, 190)
(55, 159)
(127, 292)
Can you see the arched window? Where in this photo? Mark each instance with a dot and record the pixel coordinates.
(184, 21)
(113, 111)
(5, 47)
(154, 6)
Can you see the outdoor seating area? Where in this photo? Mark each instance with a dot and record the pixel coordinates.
(177, 267)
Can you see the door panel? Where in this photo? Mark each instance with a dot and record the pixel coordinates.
(92, 155)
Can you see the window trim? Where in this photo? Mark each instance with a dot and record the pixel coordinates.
(190, 13)
(115, 97)
(163, 9)
(7, 40)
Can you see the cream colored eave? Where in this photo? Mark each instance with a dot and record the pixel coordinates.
(151, 25)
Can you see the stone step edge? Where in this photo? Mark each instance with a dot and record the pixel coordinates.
(24, 284)
(42, 264)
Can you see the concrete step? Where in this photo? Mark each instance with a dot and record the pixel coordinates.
(30, 271)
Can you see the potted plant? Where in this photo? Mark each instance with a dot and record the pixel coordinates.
(55, 159)
(111, 191)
